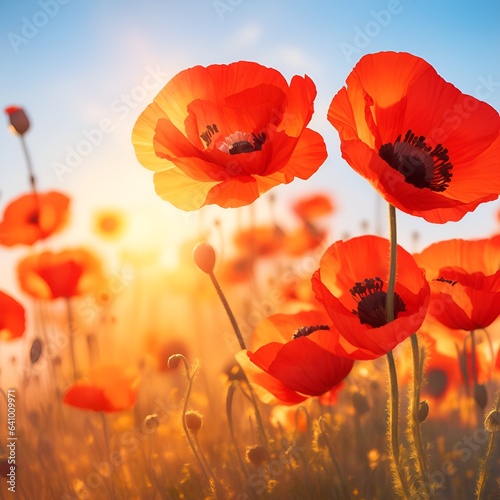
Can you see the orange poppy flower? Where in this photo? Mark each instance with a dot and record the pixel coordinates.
(65, 274)
(313, 206)
(350, 285)
(428, 149)
(225, 134)
(12, 320)
(33, 217)
(465, 286)
(297, 357)
(107, 389)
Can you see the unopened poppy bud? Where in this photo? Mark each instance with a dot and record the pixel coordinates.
(480, 396)
(204, 257)
(360, 403)
(174, 360)
(492, 421)
(19, 123)
(256, 455)
(423, 411)
(151, 422)
(193, 421)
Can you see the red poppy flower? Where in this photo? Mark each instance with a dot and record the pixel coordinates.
(225, 134)
(350, 285)
(298, 358)
(33, 217)
(429, 150)
(313, 206)
(12, 320)
(60, 275)
(465, 286)
(107, 389)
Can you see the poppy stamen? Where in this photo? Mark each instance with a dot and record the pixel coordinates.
(210, 131)
(371, 300)
(420, 164)
(243, 142)
(304, 331)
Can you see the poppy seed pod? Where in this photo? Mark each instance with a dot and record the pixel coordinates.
(204, 257)
(193, 421)
(19, 122)
(492, 421)
(256, 455)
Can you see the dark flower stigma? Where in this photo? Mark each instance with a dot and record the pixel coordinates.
(444, 280)
(304, 331)
(371, 302)
(210, 131)
(421, 165)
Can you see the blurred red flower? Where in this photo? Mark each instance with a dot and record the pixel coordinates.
(465, 286)
(261, 241)
(33, 217)
(297, 357)
(429, 150)
(350, 285)
(225, 134)
(66, 274)
(313, 206)
(106, 389)
(12, 318)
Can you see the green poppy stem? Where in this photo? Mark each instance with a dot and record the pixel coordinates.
(414, 434)
(190, 378)
(493, 428)
(393, 429)
(393, 409)
(29, 165)
(389, 301)
(229, 312)
(71, 334)
(241, 342)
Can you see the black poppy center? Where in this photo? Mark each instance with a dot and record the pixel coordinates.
(371, 300)
(304, 331)
(247, 146)
(33, 218)
(420, 164)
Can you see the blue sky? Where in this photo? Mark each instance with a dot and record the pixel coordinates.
(78, 66)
